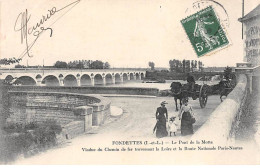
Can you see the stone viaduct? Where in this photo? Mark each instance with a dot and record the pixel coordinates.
(70, 77)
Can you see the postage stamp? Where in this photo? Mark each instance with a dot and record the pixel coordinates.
(204, 31)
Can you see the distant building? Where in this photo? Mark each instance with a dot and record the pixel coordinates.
(252, 36)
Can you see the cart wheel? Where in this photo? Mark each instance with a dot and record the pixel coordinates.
(203, 95)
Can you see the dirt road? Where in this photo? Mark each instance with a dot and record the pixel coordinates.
(136, 124)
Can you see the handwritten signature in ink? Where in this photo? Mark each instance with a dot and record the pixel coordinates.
(22, 22)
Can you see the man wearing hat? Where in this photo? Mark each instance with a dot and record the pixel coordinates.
(162, 118)
(191, 81)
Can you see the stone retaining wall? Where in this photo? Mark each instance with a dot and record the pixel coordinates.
(88, 89)
(222, 122)
(76, 113)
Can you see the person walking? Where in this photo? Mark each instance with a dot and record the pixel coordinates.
(161, 117)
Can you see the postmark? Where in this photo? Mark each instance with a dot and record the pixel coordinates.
(205, 31)
(220, 11)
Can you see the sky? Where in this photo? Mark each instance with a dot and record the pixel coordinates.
(125, 33)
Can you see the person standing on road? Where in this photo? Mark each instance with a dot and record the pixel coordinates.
(162, 118)
(187, 118)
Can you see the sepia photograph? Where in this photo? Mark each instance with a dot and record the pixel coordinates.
(130, 82)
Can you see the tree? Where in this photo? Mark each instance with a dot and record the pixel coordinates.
(9, 61)
(86, 64)
(60, 64)
(106, 65)
(192, 65)
(188, 66)
(184, 66)
(80, 65)
(72, 64)
(195, 65)
(151, 64)
(200, 66)
(96, 65)
(171, 65)
(180, 66)
(175, 65)
(19, 66)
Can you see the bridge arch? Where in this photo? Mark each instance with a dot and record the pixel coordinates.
(9, 78)
(125, 78)
(109, 79)
(142, 76)
(85, 80)
(70, 80)
(137, 75)
(50, 80)
(131, 76)
(117, 78)
(25, 80)
(98, 79)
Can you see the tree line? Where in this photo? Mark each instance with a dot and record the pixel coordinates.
(77, 64)
(185, 66)
(9, 61)
(82, 64)
(182, 66)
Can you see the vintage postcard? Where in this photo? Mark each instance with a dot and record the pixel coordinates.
(129, 82)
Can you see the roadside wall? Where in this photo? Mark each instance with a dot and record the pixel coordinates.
(76, 113)
(223, 121)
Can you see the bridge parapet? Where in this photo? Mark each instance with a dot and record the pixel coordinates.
(227, 115)
(223, 121)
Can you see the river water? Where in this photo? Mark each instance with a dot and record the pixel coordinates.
(160, 86)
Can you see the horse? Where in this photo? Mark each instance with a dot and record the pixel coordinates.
(176, 90)
(225, 88)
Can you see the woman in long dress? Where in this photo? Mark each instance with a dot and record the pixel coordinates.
(161, 117)
(186, 116)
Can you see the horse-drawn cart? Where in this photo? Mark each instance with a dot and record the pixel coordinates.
(201, 92)
(184, 91)
(198, 92)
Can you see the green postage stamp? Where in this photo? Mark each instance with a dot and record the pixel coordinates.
(204, 31)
